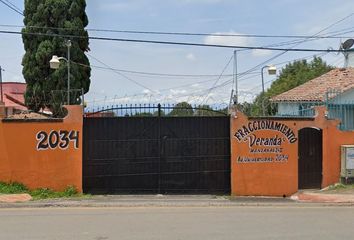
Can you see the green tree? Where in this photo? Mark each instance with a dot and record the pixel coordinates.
(206, 110)
(297, 73)
(182, 109)
(291, 76)
(58, 17)
(143, 114)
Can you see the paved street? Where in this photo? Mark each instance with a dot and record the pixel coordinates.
(282, 222)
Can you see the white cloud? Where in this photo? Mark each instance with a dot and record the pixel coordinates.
(228, 40)
(261, 52)
(177, 92)
(146, 91)
(191, 57)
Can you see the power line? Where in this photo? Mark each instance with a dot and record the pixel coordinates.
(9, 2)
(172, 42)
(282, 53)
(181, 33)
(161, 74)
(217, 80)
(171, 88)
(12, 6)
(121, 74)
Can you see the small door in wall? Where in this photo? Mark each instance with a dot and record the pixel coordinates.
(310, 158)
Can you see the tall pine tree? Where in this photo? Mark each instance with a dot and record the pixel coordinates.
(63, 18)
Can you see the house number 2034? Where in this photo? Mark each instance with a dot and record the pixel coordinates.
(57, 139)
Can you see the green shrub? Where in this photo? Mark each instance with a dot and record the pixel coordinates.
(40, 193)
(12, 188)
(70, 191)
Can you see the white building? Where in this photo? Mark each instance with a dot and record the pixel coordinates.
(334, 89)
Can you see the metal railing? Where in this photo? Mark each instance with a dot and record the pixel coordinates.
(155, 110)
(340, 108)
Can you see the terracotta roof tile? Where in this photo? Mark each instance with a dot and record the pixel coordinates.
(340, 79)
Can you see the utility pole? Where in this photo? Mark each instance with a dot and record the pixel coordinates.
(235, 97)
(68, 44)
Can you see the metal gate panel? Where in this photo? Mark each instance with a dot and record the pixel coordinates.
(310, 158)
(120, 155)
(195, 155)
(156, 155)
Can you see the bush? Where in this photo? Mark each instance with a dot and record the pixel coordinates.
(12, 188)
(40, 193)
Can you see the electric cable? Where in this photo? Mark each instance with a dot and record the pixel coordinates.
(119, 73)
(170, 42)
(11, 6)
(180, 33)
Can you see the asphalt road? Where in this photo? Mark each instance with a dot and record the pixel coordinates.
(282, 222)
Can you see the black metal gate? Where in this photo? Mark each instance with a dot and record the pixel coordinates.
(156, 155)
(310, 158)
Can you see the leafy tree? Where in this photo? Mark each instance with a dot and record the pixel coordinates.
(291, 76)
(182, 109)
(143, 114)
(162, 113)
(206, 110)
(58, 17)
(297, 73)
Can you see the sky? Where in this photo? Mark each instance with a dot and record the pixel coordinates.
(211, 69)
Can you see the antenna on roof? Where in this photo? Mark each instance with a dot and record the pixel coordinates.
(347, 52)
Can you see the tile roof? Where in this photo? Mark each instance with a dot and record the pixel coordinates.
(339, 79)
(13, 95)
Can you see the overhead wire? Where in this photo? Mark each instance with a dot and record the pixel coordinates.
(217, 80)
(201, 92)
(119, 73)
(12, 7)
(165, 89)
(176, 33)
(9, 2)
(285, 51)
(68, 36)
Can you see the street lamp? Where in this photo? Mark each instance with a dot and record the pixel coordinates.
(272, 70)
(55, 63)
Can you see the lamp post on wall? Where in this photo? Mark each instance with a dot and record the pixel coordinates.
(55, 63)
(272, 70)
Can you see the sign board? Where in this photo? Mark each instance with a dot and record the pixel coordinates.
(350, 158)
(267, 141)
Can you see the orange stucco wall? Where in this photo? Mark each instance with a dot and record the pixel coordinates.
(54, 168)
(253, 174)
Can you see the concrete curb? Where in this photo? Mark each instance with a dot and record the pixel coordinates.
(323, 198)
(14, 198)
(125, 201)
(243, 202)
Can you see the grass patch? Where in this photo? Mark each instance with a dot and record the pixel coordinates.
(12, 188)
(38, 194)
(341, 186)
